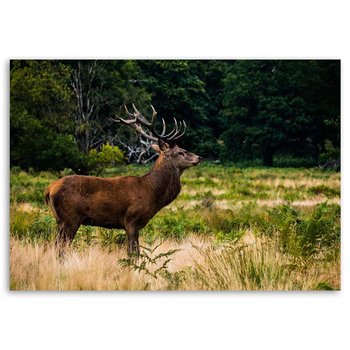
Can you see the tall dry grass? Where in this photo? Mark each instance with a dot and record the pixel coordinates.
(197, 264)
(37, 267)
(261, 266)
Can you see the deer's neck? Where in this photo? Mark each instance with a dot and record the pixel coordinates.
(164, 180)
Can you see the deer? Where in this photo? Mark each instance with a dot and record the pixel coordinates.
(122, 202)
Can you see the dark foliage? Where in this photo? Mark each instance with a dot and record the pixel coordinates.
(236, 110)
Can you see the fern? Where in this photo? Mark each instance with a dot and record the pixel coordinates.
(147, 259)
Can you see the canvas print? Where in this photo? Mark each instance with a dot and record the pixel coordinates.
(175, 175)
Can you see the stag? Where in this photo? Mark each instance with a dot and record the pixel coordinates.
(122, 202)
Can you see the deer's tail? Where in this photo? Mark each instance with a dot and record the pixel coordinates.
(47, 195)
(49, 202)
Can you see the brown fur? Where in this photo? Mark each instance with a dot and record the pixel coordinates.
(123, 202)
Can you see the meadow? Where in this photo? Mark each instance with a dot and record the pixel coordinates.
(230, 229)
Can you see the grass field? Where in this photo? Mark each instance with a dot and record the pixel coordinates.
(229, 229)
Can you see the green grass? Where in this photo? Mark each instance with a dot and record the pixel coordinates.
(208, 186)
(29, 188)
(252, 183)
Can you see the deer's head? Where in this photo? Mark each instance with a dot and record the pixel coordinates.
(165, 142)
(181, 158)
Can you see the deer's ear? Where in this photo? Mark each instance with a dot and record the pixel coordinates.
(155, 148)
(163, 145)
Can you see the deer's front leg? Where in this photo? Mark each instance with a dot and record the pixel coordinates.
(133, 241)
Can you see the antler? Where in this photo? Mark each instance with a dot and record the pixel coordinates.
(138, 121)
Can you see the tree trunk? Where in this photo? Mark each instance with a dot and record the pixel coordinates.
(268, 156)
(315, 153)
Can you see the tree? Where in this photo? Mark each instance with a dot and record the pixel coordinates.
(40, 107)
(100, 89)
(236, 110)
(178, 91)
(272, 106)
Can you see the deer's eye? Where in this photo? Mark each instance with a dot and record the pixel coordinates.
(181, 154)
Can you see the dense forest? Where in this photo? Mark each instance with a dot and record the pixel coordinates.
(248, 112)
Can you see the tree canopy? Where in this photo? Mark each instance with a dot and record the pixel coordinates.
(236, 110)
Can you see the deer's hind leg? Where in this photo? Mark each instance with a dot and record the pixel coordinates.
(65, 235)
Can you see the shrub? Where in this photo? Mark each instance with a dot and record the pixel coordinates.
(108, 156)
(330, 152)
(304, 235)
(175, 225)
(32, 226)
(43, 228)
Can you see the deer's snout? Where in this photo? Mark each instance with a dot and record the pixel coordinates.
(198, 160)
